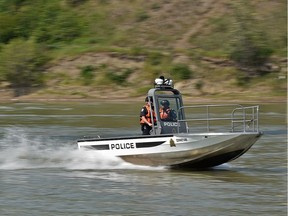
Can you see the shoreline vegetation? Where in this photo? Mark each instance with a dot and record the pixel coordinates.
(86, 51)
(110, 97)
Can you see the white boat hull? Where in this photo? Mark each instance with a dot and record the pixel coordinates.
(221, 132)
(178, 151)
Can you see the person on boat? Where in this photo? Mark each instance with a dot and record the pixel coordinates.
(166, 113)
(146, 120)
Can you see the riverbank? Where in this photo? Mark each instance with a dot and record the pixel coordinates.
(125, 97)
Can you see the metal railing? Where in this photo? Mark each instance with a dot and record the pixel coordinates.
(216, 118)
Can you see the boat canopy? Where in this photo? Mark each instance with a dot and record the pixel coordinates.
(164, 93)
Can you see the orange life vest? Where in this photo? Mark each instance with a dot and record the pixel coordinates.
(148, 115)
(164, 114)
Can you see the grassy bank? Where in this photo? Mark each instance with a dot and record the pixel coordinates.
(97, 50)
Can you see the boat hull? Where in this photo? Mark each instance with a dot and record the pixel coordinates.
(176, 151)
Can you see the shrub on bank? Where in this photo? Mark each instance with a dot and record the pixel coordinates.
(21, 64)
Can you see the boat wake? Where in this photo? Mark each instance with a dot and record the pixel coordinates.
(20, 150)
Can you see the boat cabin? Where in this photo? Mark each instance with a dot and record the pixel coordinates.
(166, 102)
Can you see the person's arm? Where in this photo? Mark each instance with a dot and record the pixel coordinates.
(145, 120)
(143, 114)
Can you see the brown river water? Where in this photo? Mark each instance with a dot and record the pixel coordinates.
(43, 173)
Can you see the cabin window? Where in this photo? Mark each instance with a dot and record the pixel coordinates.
(168, 108)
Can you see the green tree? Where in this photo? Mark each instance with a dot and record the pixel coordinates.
(17, 20)
(21, 65)
(57, 25)
(250, 48)
(7, 26)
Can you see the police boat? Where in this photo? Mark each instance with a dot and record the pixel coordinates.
(200, 136)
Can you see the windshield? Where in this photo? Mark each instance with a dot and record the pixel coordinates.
(168, 108)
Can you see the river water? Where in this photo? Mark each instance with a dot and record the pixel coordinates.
(43, 173)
